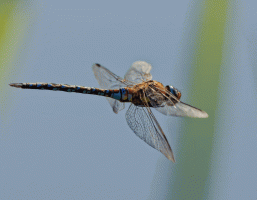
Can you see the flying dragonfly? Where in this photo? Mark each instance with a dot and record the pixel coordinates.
(143, 93)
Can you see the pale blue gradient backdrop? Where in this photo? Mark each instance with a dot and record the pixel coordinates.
(56, 145)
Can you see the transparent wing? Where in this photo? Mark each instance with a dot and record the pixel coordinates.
(109, 80)
(166, 103)
(142, 121)
(181, 109)
(139, 72)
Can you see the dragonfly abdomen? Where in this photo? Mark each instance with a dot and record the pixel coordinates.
(121, 94)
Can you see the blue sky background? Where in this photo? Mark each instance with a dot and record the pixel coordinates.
(58, 145)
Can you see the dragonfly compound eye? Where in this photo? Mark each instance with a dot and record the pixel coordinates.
(174, 91)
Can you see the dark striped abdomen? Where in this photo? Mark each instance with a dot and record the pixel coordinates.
(118, 94)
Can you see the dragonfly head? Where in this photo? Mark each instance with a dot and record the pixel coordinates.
(174, 91)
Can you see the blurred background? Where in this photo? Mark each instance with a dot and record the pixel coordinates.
(56, 145)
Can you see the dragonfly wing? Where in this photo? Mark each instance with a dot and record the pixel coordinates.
(142, 121)
(116, 105)
(139, 72)
(109, 80)
(168, 104)
(181, 109)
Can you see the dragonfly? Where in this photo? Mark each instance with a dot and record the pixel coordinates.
(142, 93)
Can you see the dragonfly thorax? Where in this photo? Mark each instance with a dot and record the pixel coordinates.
(148, 93)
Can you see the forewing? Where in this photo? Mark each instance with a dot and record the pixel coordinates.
(139, 72)
(181, 109)
(109, 80)
(168, 104)
(142, 121)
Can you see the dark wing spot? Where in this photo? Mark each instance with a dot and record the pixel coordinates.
(98, 65)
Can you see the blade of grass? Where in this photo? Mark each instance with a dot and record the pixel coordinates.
(194, 153)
